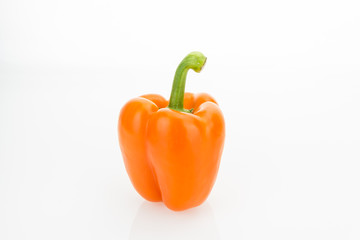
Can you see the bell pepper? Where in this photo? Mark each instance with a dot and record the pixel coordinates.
(172, 150)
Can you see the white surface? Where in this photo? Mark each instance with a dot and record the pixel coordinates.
(286, 74)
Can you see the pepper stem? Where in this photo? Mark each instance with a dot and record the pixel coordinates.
(194, 61)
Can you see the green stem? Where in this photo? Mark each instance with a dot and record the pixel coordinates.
(194, 61)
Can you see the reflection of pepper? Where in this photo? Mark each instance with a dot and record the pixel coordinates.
(172, 150)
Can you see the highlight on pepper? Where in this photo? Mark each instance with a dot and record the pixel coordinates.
(172, 149)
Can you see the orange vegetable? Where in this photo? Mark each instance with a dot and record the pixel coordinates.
(172, 150)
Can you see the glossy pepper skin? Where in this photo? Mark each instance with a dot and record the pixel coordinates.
(172, 154)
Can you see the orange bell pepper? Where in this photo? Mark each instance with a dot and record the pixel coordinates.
(172, 150)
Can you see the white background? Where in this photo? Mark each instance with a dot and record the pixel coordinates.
(285, 73)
